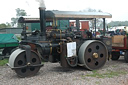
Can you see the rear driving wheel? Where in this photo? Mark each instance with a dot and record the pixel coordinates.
(93, 54)
(21, 61)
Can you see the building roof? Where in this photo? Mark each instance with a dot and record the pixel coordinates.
(10, 28)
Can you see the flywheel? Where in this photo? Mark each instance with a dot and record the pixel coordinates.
(93, 54)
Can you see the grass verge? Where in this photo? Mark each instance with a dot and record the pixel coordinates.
(3, 62)
(108, 74)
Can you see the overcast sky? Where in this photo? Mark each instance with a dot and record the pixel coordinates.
(118, 8)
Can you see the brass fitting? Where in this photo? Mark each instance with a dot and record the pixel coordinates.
(95, 55)
(28, 63)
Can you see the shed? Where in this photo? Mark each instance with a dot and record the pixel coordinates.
(11, 30)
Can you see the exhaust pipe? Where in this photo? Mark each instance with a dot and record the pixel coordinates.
(42, 21)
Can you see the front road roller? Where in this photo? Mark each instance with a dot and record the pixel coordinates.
(25, 64)
(93, 54)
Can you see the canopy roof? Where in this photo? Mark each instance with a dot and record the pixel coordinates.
(78, 15)
(71, 15)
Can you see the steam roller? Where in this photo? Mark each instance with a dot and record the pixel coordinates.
(69, 47)
(19, 63)
(93, 54)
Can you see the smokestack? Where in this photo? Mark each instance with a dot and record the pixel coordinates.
(42, 20)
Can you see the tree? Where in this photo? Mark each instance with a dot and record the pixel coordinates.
(19, 13)
(118, 23)
(8, 24)
(3, 25)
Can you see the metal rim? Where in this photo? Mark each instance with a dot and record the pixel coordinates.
(21, 61)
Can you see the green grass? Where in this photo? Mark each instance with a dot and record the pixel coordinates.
(19, 38)
(114, 66)
(108, 74)
(97, 82)
(3, 62)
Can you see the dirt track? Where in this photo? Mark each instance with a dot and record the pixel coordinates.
(113, 73)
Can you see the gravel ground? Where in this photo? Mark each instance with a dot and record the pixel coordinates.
(54, 74)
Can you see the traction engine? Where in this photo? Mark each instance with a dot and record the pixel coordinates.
(70, 48)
